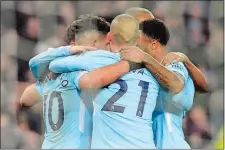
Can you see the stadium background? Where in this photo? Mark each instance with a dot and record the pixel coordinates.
(30, 27)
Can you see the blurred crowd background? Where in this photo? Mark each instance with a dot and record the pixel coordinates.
(30, 27)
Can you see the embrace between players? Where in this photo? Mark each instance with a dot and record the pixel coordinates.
(143, 91)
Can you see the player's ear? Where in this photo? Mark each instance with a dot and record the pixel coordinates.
(94, 43)
(72, 43)
(154, 44)
(139, 39)
(109, 37)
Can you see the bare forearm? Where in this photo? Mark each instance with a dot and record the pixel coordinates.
(167, 79)
(30, 96)
(197, 76)
(104, 76)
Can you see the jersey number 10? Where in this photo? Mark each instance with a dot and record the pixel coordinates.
(109, 105)
(58, 125)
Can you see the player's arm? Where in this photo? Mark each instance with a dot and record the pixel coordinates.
(69, 64)
(197, 76)
(104, 76)
(87, 61)
(90, 61)
(184, 99)
(168, 79)
(30, 96)
(39, 63)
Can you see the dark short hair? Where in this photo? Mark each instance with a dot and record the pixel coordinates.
(70, 33)
(155, 29)
(84, 23)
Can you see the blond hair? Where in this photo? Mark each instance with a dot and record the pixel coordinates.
(125, 29)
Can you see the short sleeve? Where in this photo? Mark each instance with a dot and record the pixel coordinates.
(184, 99)
(76, 77)
(39, 88)
(178, 67)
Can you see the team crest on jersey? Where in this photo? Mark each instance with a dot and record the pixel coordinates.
(64, 83)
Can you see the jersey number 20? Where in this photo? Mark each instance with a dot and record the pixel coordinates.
(109, 105)
(53, 97)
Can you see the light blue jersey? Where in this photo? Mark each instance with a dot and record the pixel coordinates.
(86, 61)
(122, 111)
(63, 112)
(63, 109)
(86, 135)
(39, 64)
(169, 112)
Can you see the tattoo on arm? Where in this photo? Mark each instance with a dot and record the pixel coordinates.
(162, 79)
(167, 79)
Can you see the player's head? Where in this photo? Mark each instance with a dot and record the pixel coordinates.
(154, 38)
(140, 14)
(70, 34)
(124, 31)
(89, 30)
(92, 31)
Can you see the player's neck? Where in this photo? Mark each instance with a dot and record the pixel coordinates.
(162, 54)
(160, 59)
(159, 54)
(115, 48)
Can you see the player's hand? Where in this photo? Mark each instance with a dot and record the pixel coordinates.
(132, 53)
(174, 56)
(80, 49)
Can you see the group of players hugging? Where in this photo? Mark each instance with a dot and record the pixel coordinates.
(114, 85)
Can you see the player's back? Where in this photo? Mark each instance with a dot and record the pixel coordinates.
(123, 112)
(168, 116)
(61, 108)
(132, 98)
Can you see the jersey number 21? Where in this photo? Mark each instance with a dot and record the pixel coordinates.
(109, 105)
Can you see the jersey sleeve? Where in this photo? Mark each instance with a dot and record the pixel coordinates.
(179, 68)
(184, 98)
(75, 77)
(87, 61)
(39, 64)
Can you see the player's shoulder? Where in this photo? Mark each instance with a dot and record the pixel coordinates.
(71, 76)
(180, 68)
(68, 75)
(142, 74)
(102, 53)
(177, 65)
(67, 79)
(95, 52)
